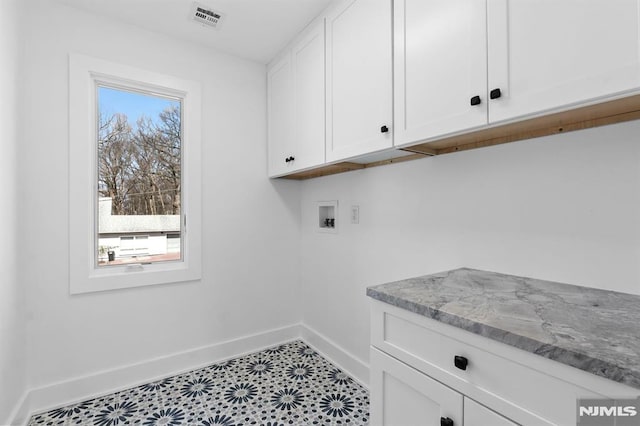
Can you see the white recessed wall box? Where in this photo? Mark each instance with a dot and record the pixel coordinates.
(327, 216)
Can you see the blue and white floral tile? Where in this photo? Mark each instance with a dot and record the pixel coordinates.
(284, 385)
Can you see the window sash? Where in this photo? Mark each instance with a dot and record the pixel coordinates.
(129, 252)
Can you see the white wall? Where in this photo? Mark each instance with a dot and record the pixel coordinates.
(250, 224)
(563, 208)
(12, 325)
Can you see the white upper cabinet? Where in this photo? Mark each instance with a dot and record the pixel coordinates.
(548, 54)
(308, 77)
(371, 75)
(462, 64)
(296, 87)
(359, 78)
(440, 59)
(280, 114)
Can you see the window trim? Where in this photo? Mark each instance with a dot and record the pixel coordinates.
(85, 73)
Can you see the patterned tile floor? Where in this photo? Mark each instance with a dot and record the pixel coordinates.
(284, 385)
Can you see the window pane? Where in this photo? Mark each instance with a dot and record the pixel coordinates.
(139, 177)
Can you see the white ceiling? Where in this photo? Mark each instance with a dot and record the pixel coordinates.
(252, 29)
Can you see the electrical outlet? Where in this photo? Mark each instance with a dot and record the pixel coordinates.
(355, 215)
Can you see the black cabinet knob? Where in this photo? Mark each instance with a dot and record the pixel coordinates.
(495, 94)
(460, 362)
(446, 421)
(384, 129)
(289, 159)
(476, 101)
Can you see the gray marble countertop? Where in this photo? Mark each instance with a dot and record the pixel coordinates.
(597, 331)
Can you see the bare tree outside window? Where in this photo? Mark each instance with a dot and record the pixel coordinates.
(139, 177)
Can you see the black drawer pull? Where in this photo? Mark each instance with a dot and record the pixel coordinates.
(476, 101)
(446, 421)
(384, 129)
(289, 159)
(495, 94)
(460, 362)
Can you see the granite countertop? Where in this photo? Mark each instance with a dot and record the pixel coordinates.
(597, 331)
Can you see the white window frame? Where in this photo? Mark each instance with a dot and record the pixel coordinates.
(85, 73)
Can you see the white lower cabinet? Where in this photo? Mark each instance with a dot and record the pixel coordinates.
(424, 372)
(403, 396)
(479, 415)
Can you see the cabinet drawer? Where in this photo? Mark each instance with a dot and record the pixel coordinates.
(526, 395)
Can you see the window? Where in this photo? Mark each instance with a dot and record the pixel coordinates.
(139, 166)
(134, 172)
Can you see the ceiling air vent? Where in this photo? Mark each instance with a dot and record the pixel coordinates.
(205, 15)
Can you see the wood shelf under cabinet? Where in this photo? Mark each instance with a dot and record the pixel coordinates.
(601, 114)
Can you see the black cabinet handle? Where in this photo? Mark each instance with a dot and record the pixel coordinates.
(446, 421)
(460, 362)
(476, 101)
(288, 159)
(384, 129)
(495, 94)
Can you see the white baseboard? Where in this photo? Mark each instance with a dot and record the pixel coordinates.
(16, 415)
(105, 382)
(352, 365)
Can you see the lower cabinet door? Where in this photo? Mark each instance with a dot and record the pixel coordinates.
(402, 396)
(479, 415)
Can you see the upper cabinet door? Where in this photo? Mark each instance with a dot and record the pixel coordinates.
(309, 91)
(440, 49)
(359, 78)
(280, 114)
(547, 54)
(296, 107)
